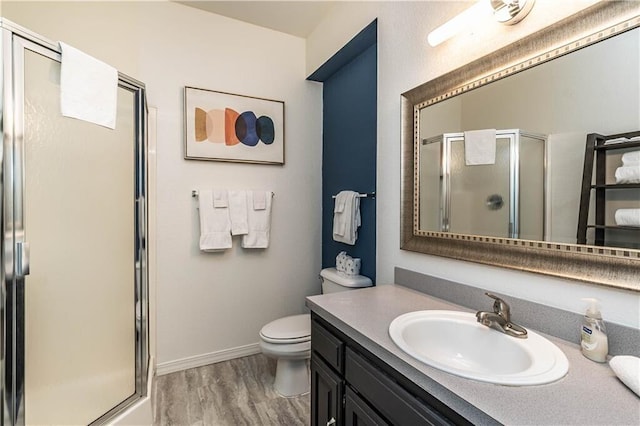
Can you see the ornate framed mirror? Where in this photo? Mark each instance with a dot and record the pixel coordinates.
(589, 40)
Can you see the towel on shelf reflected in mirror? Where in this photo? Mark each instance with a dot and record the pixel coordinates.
(629, 172)
(631, 158)
(627, 217)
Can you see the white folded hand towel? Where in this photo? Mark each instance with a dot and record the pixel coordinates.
(627, 368)
(220, 198)
(215, 227)
(480, 147)
(631, 158)
(628, 174)
(627, 217)
(259, 220)
(238, 212)
(88, 88)
(260, 200)
(346, 217)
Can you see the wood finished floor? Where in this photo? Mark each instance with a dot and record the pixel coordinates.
(229, 393)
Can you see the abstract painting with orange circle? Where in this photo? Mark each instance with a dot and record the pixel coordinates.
(226, 127)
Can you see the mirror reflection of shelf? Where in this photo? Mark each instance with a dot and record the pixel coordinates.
(626, 228)
(617, 186)
(598, 147)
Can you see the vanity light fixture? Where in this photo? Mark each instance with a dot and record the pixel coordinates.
(508, 12)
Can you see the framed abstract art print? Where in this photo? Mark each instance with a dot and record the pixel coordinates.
(223, 126)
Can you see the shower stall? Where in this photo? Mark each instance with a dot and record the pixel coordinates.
(505, 199)
(74, 262)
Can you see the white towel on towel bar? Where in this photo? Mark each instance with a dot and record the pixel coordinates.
(628, 174)
(238, 212)
(627, 217)
(480, 147)
(346, 217)
(215, 227)
(88, 88)
(259, 220)
(631, 158)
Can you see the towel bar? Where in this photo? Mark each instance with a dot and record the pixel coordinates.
(194, 193)
(365, 195)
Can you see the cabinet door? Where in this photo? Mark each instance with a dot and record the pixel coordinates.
(326, 395)
(358, 413)
(392, 400)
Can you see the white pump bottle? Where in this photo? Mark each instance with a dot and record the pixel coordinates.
(593, 335)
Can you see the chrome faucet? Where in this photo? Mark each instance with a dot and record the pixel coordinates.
(500, 319)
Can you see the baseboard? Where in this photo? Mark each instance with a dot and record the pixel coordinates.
(205, 359)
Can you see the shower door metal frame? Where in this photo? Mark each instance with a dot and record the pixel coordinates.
(514, 135)
(15, 40)
(447, 140)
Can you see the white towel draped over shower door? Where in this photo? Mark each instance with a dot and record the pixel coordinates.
(480, 147)
(88, 88)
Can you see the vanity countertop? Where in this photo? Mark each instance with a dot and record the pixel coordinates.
(589, 394)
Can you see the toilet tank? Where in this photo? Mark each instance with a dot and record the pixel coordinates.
(334, 281)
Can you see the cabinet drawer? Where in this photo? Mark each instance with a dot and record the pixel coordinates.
(328, 346)
(358, 413)
(392, 401)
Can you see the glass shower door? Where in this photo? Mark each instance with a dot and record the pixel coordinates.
(480, 195)
(74, 209)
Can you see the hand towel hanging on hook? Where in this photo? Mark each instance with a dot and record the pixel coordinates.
(346, 217)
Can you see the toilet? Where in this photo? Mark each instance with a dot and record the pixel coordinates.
(288, 339)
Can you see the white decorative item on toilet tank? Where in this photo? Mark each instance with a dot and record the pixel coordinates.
(333, 281)
(288, 339)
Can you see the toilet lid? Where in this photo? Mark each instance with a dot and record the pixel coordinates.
(290, 329)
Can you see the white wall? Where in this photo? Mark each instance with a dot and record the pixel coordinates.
(405, 60)
(215, 302)
(210, 306)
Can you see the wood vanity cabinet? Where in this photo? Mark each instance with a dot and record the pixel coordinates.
(350, 386)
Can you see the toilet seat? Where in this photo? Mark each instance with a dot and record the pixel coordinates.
(287, 330)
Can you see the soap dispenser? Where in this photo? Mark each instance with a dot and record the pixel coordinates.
(593, 335)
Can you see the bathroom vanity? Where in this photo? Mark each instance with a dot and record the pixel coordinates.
(347, 381)
(359, 376)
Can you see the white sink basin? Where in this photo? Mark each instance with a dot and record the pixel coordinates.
(456, 343)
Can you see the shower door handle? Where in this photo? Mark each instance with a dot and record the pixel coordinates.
(22, 259)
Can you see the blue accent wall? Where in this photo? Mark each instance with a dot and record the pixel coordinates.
(349, 144)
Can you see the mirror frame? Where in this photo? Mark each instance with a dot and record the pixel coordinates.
(606, 266)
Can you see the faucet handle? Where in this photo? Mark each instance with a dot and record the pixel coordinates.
(500, 307)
